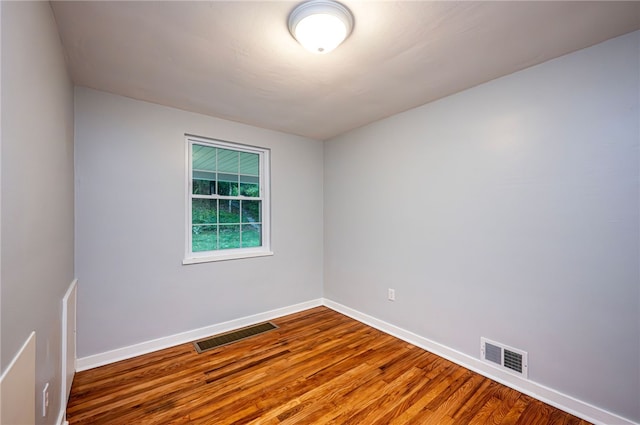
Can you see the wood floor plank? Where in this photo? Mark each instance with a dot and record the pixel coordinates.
(508, 398)
(474, 404)
(419, 411)
(485, 411)
(318, 367)
(536, 413)
(517, 410)
(373, 408)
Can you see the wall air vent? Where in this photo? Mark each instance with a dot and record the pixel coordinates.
(504, 357)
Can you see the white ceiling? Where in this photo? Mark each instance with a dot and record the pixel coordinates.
(237, 60)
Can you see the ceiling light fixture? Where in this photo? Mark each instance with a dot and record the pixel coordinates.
(320, 25)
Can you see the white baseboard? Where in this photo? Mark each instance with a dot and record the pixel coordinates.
(123, 353)
(548, 395)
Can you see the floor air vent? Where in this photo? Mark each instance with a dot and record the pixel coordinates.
(233, 336)
(510, 359)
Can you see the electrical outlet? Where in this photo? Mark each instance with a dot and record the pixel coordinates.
(45, 400)
(392, 294)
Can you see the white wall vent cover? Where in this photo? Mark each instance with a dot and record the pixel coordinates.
(507, 358)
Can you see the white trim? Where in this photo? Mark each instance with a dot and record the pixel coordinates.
(224, 257)
(545, 394)
(21, 351)
(62, 417)
(65, 387)
(123, 353)
(17, 386)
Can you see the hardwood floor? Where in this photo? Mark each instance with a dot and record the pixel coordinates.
(319, 367)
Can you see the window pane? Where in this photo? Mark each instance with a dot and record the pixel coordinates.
(249, 164)
(204, 211)
(204, 175)
(228, 161)
(204, 158)
(204, 238)
(250, 186)
(229, 211)
(204, 187)
(251, 211)
(251, 235)
(228, 184)
(229, 236)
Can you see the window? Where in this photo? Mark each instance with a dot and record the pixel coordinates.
(227, 201)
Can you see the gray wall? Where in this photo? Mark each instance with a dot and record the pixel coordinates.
(37, 189)
(130, 226)
(508, 211)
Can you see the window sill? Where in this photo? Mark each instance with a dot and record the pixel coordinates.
(224, 257)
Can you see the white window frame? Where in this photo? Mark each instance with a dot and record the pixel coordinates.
(191, 257)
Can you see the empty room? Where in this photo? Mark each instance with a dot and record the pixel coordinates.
(320, 212)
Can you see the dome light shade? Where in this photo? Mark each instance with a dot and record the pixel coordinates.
(320, 25)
